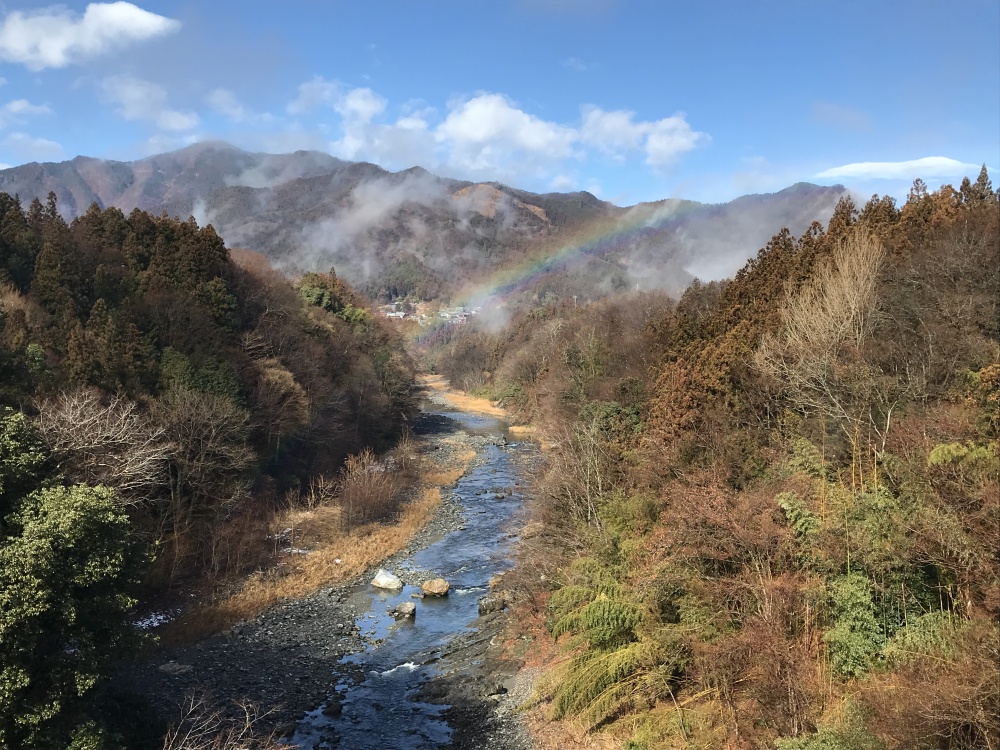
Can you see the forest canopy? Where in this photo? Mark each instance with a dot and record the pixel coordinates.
(771, 513)
(157, 401)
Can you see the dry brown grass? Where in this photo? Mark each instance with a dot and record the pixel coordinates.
(460, 399)
(523, 430)
(446, 477)
(339, 556)
(338, 552)
(567, 734)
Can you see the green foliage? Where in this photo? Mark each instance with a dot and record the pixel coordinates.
(63, 578)
(828, 739)
(611, 420)
(802, 520)
(142, 306)
(35, 356)
(627, 516)
(876, 527)
(933, 634)
(22, 461)
(605, 623)
(510, 393)
(807, 457)
(848, 733)
(219, 301)
(969, 459)
(219, 378)
(600, 685)
(322, 290)
(855, 638)
(175, 370)
(213, 375)
(327, 292)
(353, 315)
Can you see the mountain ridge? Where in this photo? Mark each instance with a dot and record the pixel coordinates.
(412, 232)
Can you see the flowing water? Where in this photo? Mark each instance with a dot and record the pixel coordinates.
(374, 701)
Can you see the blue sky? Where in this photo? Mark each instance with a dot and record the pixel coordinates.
(630, 100)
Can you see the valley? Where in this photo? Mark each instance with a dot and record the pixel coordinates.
(336, 669)
(756, 509)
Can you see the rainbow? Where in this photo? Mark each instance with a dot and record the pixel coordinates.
(565, 252)
(598, 238)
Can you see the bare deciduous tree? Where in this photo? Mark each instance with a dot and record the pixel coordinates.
(206, 727)
(209, 468)
(825, 325)
(107, 441)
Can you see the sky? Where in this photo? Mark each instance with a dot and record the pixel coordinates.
(630, 100)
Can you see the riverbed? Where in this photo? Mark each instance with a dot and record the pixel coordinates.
(336, 669)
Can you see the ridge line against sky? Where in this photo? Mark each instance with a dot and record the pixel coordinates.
(633, 101)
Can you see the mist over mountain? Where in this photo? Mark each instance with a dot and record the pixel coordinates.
(414, 233)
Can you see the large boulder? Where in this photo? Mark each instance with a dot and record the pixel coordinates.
(435, 587)
(492, 602)
(386, 580)
(404, 609)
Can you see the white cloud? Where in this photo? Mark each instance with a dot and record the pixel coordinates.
(225, 103)
(160, 142)
(617, 133)
(491, 119)
(405, 143)
(562, 183)
(487, 136)
(360, 104)
(55, 37)
(575, 64)
(19, 110)
(138, 99)
(928, 167)
(669, 138)
(22, 107)
(612, 133)
(313, 94)
(29, 147)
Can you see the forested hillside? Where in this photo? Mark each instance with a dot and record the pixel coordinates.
(771, 515)
(159, 403)
(412, 234)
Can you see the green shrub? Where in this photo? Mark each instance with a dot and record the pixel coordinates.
(63, 579)
(856, 637)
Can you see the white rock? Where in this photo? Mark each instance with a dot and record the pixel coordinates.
(385, 580)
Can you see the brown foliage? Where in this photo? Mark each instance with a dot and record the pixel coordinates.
(951, 702)
(368, 489)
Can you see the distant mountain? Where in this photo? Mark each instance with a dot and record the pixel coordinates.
(411, 232)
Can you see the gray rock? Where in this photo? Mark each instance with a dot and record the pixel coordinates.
(404, 610)
(492, 602)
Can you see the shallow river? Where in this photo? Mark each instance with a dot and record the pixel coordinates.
(377, 704)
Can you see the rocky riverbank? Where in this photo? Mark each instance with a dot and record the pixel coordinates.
(284, 660)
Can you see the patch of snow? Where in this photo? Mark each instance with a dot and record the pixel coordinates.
(154, 620)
